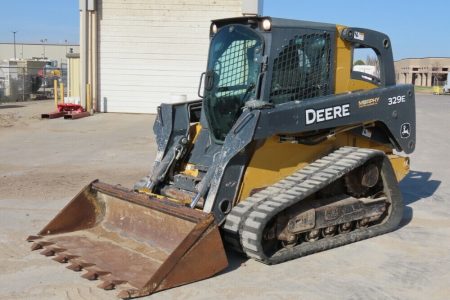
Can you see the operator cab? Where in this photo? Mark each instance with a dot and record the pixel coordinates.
(241, 73)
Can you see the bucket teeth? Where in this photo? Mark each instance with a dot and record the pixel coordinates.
(32, 238)
(64, 258)
(51, 251)
(36, 246)
(48, 252)
(78, 266)
(75, 267)
(61, 259)
(127, 294)
(40, 245)
(94, 274)
(110, 284)
(107, 285)
(90, 275)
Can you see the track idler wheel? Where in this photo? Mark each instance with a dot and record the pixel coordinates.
(359, 181)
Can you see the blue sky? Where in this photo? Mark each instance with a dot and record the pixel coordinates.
(55, 20)
(417, 28)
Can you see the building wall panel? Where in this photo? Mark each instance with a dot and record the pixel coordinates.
(151, 49)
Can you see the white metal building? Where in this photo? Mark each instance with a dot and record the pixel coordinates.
(136, 54)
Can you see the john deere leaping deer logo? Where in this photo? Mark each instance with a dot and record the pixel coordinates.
(405, 130)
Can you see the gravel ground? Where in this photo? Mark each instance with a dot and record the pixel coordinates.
(43, 164)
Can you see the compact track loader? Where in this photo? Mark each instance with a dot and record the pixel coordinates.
(289, 152)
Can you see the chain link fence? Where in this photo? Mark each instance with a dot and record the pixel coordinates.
(29, 80)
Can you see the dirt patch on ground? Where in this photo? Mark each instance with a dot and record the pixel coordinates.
(14, 115)
(8, 119)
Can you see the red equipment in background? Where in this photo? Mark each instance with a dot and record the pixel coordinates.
(68, 111)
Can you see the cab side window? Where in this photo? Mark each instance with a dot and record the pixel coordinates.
(302, 69)
(366, 65)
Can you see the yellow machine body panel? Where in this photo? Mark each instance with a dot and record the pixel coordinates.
(400, 164)
(273, 161)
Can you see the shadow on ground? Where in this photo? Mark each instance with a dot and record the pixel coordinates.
(416, 186)
(10, 106)
(235, 260)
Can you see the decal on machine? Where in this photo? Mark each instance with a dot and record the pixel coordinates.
(405, 130)
(358, 35)
(313, 116)
(367, 132)
(396, 100)
(368, 102)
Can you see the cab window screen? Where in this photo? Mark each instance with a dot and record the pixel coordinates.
(232, 68)
(302, 69)
(233, 72)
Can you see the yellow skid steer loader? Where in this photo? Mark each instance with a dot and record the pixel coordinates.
(288, 152)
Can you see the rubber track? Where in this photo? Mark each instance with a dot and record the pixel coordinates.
(244, 225)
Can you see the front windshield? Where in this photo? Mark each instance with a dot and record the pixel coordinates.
(231, 76)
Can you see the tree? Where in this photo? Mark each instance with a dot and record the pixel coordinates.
(359, 62)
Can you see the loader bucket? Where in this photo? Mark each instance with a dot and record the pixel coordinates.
(134, 243)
